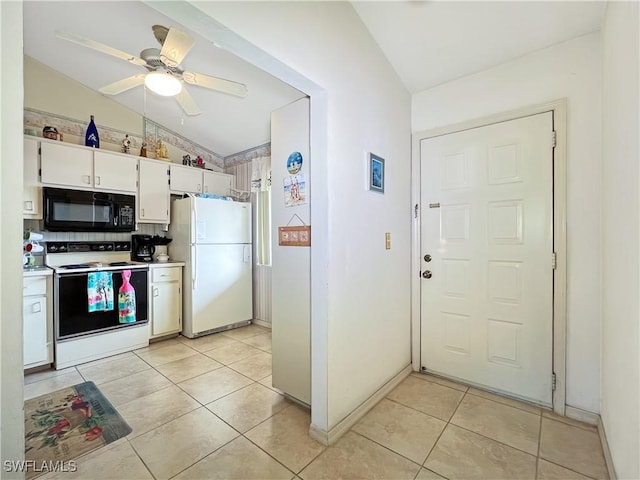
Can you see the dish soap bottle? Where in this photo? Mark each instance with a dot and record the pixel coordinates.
(91, 138)
(126, 300)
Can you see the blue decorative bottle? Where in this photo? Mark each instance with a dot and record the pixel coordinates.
(91, 138)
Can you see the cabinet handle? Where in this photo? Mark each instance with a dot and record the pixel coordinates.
(155, 291)
(28, 205)
(97, 180)
(36, 307)
(206, 189)
(142, 213)
(199, 187)
(88, 177)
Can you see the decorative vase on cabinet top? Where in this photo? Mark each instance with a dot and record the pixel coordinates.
(91, 138)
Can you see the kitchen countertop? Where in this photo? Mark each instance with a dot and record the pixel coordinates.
(170, 263)
(36, 271)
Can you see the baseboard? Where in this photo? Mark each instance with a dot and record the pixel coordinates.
(605, 448)
(261, 323)
(581, 415)
(333, 435)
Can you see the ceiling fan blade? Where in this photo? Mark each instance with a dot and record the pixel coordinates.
(175, 47)
(123, 85)
(187, 103)
(215, 83)
(87, 42)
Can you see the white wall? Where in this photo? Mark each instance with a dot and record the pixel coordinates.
(621, 239)
(11, 95)
(572, 70)
(367, 334)
(290, 266)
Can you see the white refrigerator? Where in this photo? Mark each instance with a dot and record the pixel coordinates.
(213, 238)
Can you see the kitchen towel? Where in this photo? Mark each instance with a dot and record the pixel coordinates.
(100, 291)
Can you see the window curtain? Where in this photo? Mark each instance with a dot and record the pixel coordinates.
(261, 187)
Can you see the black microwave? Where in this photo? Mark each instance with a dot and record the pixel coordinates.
(84, 211)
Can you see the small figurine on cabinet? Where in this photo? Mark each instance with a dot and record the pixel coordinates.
(143, 150)
(161, 151)
(200, 162)
(186, 160)
(126, 144)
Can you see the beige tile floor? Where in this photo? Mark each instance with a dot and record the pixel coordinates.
(205, 409)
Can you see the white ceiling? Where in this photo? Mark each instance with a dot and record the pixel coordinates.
(227, 125)
(432, 42)
(427, 43)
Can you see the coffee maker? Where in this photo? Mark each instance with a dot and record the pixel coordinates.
(142, 248)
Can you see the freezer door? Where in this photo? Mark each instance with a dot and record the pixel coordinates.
(221, 221)
(221, 286)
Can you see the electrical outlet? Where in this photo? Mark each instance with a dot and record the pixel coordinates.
(387, 241)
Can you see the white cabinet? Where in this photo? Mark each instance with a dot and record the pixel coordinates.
(186, 179)
(37, 321)
(113, 171)
(31, 188)
(153, 191)
(66, 165)
(76, 166)
(166, 300)
(195, 180)
(217, 183)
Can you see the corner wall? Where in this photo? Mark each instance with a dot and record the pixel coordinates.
(621, 237)
(572, 70)
(361, 329)
(11, 96)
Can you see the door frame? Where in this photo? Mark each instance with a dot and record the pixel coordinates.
(559, 110)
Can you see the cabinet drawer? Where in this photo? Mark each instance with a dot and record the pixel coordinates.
(34, 286)
(167, 274)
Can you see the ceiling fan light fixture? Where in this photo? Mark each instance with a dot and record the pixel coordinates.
(163, 83)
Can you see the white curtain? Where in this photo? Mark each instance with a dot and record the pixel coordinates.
(261, 186)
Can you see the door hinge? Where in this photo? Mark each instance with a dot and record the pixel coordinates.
(415, 211)
(554, 260)
(553, 138)
(553, 382)
(137, 167)
(434, 205)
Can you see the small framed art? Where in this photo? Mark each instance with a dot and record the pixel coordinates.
(376, 173)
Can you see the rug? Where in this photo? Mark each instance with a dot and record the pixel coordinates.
(65, 424)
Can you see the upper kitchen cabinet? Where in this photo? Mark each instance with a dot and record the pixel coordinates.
(185, 179)
(217, 183)
(153, 192)
(32, 191)
(76, 166)
(195, 180)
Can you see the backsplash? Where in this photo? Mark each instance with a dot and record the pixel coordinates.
(143, 229)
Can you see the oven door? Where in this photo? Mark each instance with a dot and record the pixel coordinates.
(72, 316)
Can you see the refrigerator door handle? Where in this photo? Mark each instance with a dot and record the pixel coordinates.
(194, 216)
(194, 266)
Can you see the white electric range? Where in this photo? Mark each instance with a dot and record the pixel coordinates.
(82, 333)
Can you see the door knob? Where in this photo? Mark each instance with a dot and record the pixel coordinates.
(426, 274)
(427, 258)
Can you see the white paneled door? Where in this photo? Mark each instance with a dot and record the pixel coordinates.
(486, 256)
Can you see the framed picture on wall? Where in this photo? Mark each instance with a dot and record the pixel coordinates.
(376, 173)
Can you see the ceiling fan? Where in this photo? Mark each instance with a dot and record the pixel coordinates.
(165, 76)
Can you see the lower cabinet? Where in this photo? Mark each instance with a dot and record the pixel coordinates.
(166, 300)
(37, 322)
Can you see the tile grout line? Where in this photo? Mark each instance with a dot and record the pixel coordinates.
(388, 448)
(539, 444)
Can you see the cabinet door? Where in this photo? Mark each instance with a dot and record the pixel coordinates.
(153, 192)
(217, 183)
(167, 309)
(65, 165)
(31, 189)
(35, 330)
(186, 179)
(113, 171)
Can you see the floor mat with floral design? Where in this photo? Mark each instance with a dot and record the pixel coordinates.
(62, 425)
